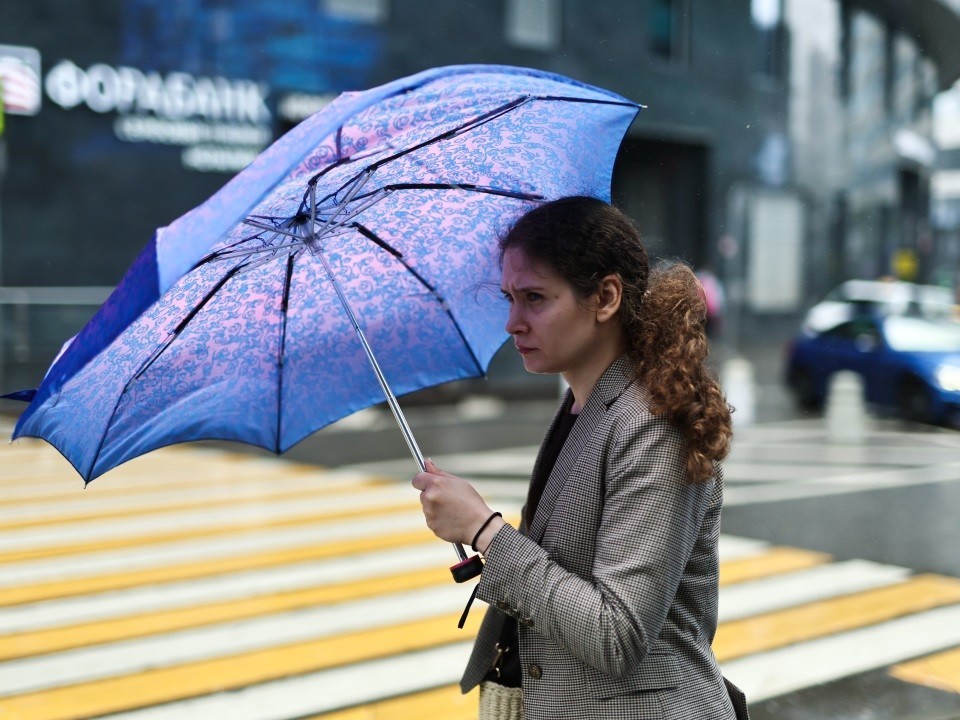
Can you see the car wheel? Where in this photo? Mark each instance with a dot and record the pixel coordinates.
(804, 391)
(914, 401)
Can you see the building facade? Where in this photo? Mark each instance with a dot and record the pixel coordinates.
(786, 143)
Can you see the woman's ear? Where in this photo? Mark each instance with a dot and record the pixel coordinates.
(609, 295)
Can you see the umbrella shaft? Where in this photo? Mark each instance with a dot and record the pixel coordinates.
(388, 393)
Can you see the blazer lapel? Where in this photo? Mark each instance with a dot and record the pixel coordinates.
(609, 387)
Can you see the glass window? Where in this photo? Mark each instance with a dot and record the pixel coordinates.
(765, 13)
(771, 46)
(668, 28)
(533, 24)
(367, 11)
(916, 335)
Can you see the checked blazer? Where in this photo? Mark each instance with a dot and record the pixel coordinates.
(615, 584)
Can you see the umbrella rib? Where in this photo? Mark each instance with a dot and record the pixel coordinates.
(282, 348)
(589, 101)
(470, 187)
(152, 359)
(229, 251)
(452, 132)
(372, 236)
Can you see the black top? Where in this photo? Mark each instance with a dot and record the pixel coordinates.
(510, 673)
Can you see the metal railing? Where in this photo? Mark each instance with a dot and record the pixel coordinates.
(32, 329)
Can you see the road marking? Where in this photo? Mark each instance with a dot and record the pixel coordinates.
(223, 640)
(195, 679)
(341, 539)
(822, 487)
(765, 595)
(778, 672)
(774, 560)
(139, 494)
(757, 634)
(732, 547)
(75, 512)
(940, 671)
(84, 540)
(323, 692)
(41, 467)
(445, 702)
(58, 615)
(59, 639)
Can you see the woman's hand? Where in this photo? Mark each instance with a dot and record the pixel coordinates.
(453, 509)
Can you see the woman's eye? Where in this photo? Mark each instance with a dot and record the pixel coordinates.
(534, 296)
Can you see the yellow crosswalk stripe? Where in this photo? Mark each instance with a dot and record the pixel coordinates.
(777, 629)
(445, 702)
(236, 482)
(940, 671)
(141, 625)
(195, 679)
(773, 561)
(17, 595)
(251, 495)
(42, 468)
(242, 528)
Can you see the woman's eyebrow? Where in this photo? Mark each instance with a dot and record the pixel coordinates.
(523, 289)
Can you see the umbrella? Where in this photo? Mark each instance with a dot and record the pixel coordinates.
(363, 239)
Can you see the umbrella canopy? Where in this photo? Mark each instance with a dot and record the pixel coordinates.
(379, 214)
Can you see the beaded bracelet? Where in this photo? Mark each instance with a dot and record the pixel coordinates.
(473, 543)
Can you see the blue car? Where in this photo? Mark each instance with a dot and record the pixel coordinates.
(908, 364)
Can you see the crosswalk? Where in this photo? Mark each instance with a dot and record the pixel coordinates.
(199, 583)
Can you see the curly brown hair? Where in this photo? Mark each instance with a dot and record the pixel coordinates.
(663, 314)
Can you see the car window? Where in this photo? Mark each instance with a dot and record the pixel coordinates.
(854, 329)
(917, 335)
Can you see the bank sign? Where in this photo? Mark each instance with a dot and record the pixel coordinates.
(221, 124)
(20, 80)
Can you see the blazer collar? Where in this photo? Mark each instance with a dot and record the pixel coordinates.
(609, 387)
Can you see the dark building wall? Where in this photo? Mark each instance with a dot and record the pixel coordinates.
(78, 203)
(712, 103)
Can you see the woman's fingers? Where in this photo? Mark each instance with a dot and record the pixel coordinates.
(452, 507)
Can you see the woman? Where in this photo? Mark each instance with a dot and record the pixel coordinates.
(604, 602)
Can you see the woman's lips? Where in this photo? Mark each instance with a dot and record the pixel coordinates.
(524, 350)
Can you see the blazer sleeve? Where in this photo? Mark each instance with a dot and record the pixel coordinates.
(649, 523)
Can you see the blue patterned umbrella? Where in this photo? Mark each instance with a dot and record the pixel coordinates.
(364, 238)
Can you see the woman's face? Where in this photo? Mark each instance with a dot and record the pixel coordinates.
(554, 330)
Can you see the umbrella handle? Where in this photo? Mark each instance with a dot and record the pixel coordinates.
(467, 568)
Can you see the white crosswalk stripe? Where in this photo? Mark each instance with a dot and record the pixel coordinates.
(819, 583)
(189, 550)
(170, 596)
(778, 672)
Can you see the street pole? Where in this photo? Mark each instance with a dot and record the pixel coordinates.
(3, 170)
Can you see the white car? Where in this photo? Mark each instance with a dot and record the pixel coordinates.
(883, 297)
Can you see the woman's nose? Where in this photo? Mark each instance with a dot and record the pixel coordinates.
(514, 321)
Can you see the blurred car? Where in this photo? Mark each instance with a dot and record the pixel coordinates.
(909, 364)
(882, 297)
